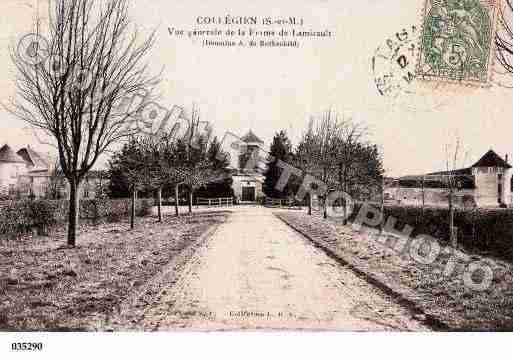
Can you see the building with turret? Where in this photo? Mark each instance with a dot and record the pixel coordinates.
(247, 169)
(487, 183)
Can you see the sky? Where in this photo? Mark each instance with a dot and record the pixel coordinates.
(270, 89)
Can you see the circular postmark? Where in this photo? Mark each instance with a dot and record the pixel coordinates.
(33, 49)
(393, 64)
(393, 69)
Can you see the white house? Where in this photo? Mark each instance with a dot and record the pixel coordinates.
(12, 168)
(24, 172)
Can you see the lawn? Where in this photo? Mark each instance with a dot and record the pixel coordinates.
(100, 284)
(445, 303)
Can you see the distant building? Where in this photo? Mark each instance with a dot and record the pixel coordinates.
(22, 173)
(487, 183)
(94, 185)
(247, 169)
(27, 173)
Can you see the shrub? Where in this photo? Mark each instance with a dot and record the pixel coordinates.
(13, 218)
(485, 230)
(89, 210)
(21, 217)
(144, 207)
(41, 215)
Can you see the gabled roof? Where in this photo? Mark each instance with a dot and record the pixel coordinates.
(8, 155)
(491, 159)
(34, 158)
(250, 137)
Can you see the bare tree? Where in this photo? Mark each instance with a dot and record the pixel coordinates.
(359, 167)
(95, 62)
(197, 166)
(55, 181)
(305, 160)
(317, 152)
(452, 183)
(504, 37)
(334, 151)
(137, 167)
(164, 162)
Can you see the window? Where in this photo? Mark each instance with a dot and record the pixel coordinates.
(86, 190)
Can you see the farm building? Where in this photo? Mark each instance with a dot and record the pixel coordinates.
(25, 172)
(487, 183)
(246, 175)
(28, 173)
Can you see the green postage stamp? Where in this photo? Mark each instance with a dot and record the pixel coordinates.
(457, 41)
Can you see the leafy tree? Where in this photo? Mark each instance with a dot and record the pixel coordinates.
(165, 162)
(199, 167)
(119, 184)
(334, 150)
(130, 169)
(220, 186)
(281, 149)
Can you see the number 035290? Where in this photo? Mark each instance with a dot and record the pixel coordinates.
(27, 346)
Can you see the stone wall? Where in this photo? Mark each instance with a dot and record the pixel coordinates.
(432, 197)
(487, 193)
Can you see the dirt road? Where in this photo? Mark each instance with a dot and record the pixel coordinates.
(257, 273)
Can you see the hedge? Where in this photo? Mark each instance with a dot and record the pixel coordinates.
(485, 230)
(22, 217)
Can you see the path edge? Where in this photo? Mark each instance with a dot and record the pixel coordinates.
(122, 320)
(430, 320)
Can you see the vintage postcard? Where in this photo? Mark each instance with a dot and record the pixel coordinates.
(174, 165)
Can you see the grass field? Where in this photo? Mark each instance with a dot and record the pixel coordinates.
(46, 286)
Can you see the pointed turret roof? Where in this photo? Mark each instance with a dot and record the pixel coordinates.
(250, 137)
(491, 159)
(8, 155)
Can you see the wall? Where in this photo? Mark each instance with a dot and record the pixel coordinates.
(39, 185)
(9, 175)
(487, 193)
(506, 192)
(432, 197)
(246, 181)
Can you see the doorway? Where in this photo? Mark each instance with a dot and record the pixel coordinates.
(248, 194)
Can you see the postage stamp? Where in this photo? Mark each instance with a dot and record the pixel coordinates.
(457, 41)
